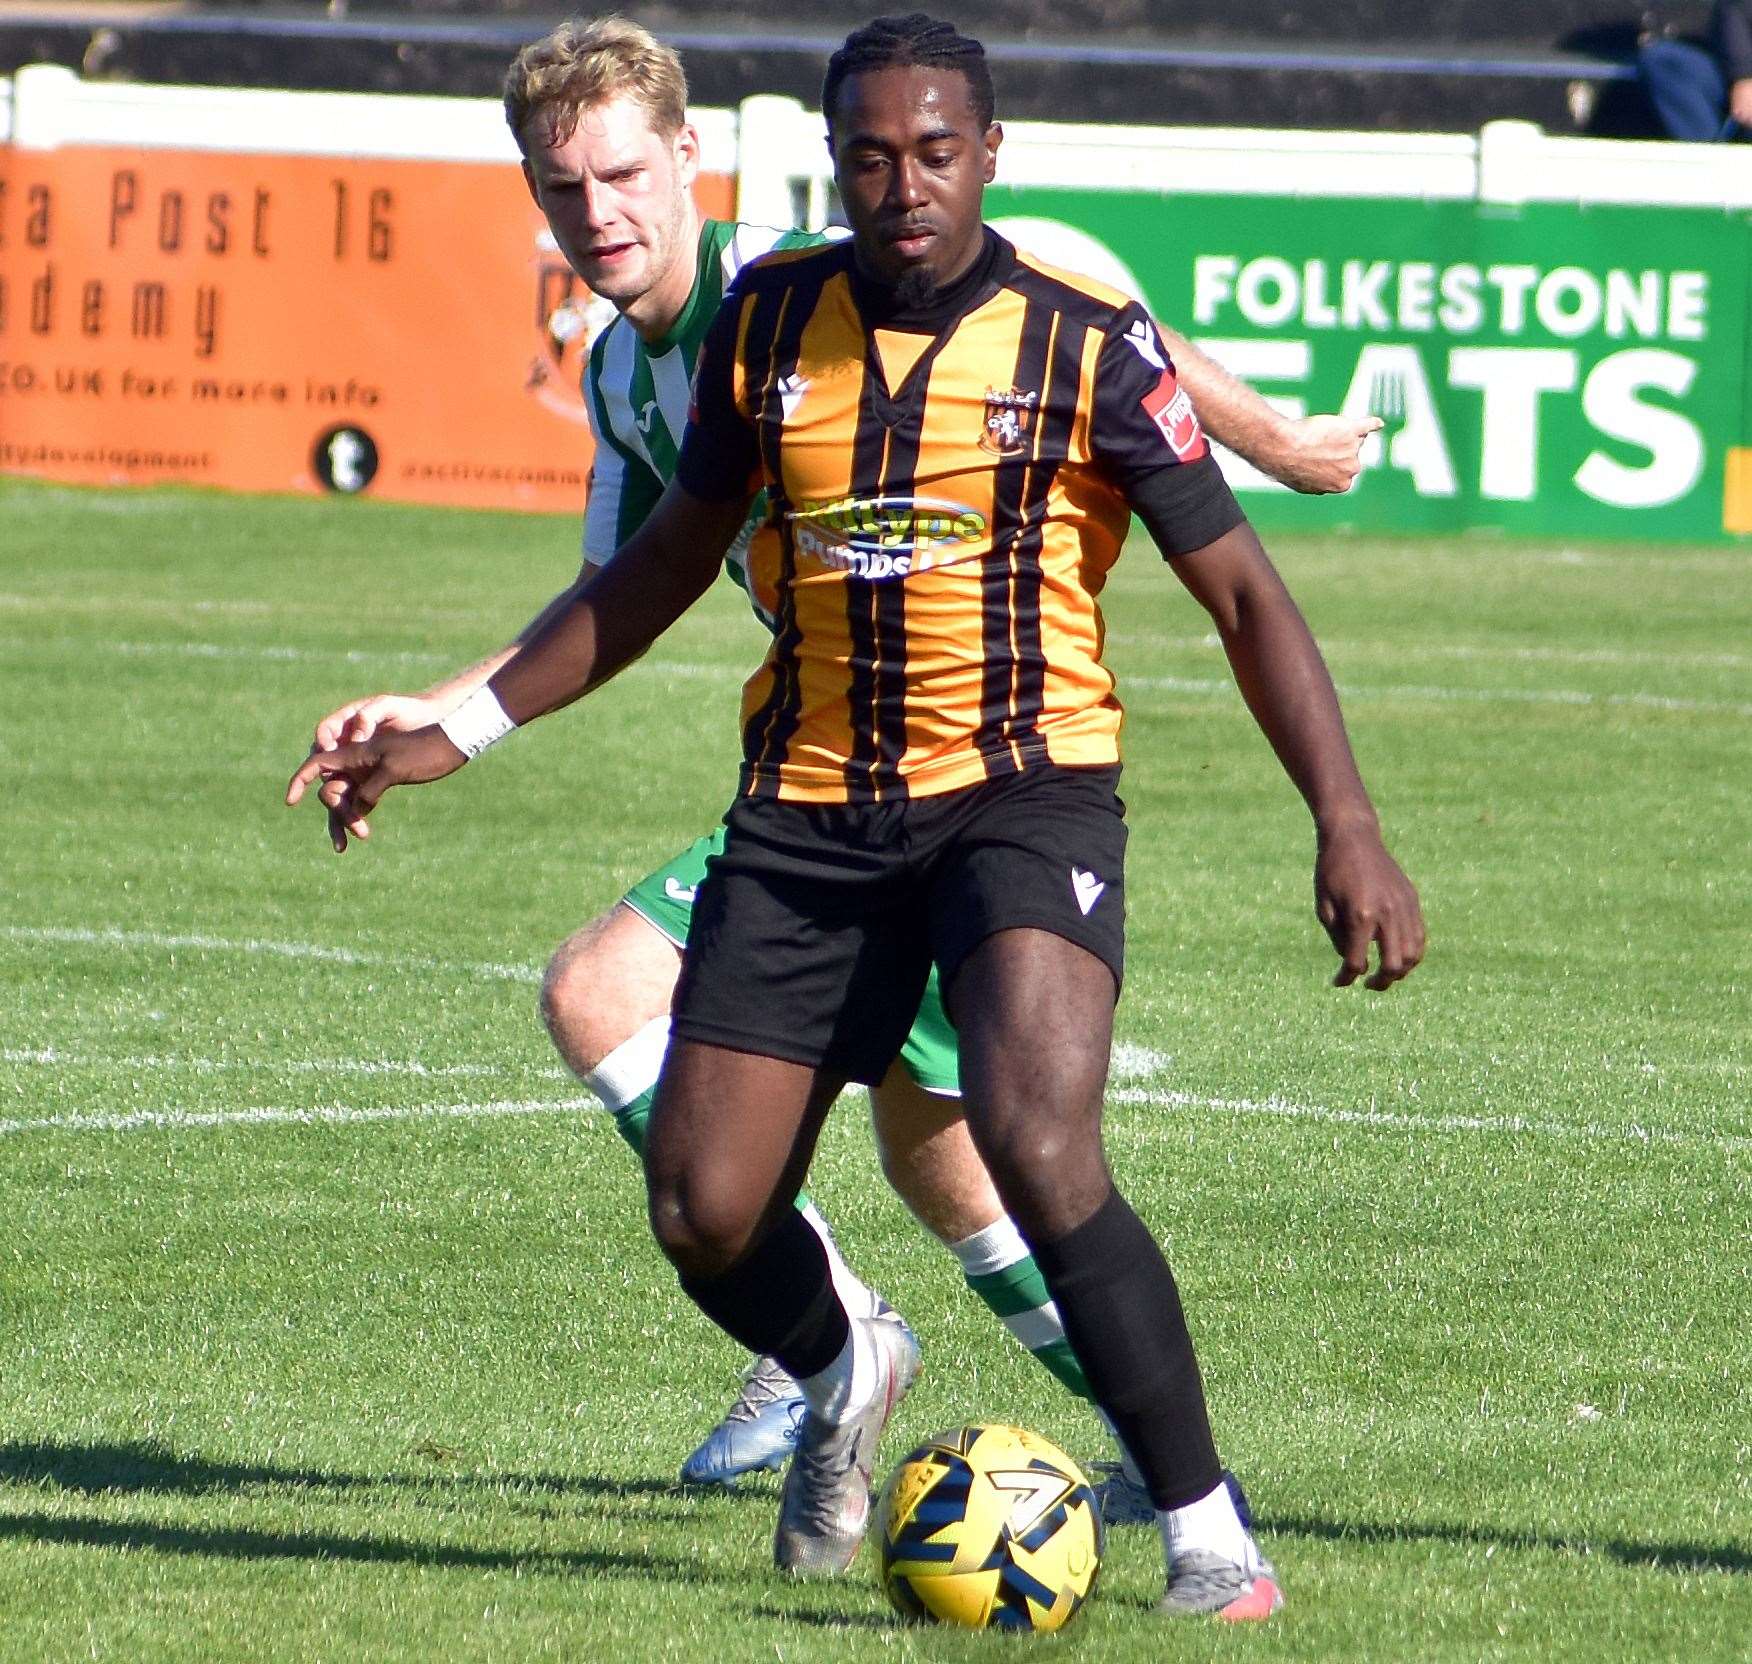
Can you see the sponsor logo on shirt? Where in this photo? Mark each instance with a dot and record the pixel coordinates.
(1168, 406)
(886, 537)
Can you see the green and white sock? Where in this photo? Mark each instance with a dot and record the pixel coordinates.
(626, 1082)
(1001, 1271)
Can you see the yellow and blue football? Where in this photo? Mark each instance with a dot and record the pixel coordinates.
(989, 1527)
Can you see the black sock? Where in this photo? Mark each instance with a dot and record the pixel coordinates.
(1121, 1312)
(779, 1299)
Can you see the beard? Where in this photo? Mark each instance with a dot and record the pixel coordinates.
(914, 291)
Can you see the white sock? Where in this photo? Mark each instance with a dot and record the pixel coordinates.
(1210, 1523)
(848, 1383)
(858, 1298)
(998, 1247)
(632, 1068)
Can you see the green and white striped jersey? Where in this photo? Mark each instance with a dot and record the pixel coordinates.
(637, 395)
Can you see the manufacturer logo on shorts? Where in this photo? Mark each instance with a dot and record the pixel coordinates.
(1087, 888)
(685, 893)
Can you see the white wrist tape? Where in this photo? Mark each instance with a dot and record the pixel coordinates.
(477, 722)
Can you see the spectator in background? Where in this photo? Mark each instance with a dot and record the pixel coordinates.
(1703, 93)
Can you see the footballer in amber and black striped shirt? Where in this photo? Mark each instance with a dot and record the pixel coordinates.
(948, 486)
(952, 438)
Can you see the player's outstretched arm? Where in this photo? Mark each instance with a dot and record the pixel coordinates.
(658, 573)
(359, 719)
(603, 626)
(1314, 454)
(1361, 896)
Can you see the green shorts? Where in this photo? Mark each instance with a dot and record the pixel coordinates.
(665, 900)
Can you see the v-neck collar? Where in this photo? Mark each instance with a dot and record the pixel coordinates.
(677, 332)
(939, 317)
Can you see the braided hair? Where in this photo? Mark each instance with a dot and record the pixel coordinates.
(913, 40)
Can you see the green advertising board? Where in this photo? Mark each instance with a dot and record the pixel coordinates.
(1547, 369)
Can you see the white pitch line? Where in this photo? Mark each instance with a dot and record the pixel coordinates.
(252, 945)
(168, 607)
(321, 1115)
(1274, 1108)
(1395, 1121)
(1469, 652)
(220, 650)
(49, 1057)
(1202, 686)
(1214, 686)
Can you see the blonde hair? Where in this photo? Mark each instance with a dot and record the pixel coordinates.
(587, 61)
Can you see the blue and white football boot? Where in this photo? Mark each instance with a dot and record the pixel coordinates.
(758, 1432)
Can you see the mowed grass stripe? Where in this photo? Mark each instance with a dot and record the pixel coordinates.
(61, 604)
(1411, 693)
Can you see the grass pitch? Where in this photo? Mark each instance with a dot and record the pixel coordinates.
(331, 1326)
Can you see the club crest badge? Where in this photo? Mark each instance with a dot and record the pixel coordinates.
(1009, 418)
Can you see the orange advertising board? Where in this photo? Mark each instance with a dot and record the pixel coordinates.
(291, 323)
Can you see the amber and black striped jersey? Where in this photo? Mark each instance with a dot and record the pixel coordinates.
(943, 511)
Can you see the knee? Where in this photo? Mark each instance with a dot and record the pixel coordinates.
(1029, 1154)
(1049, 1176)
(566, 985)
(587, 1006)
(702, 1228)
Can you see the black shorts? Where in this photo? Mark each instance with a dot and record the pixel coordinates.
(815, 929)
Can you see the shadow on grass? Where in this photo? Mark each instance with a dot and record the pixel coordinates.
(241, 1543)
(830, 1620)
(147, 1468)
(150, 1468)
(1656, 1556)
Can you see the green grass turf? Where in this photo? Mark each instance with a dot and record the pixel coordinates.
(1468, 1263)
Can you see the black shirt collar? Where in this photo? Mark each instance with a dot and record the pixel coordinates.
(880, 309)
